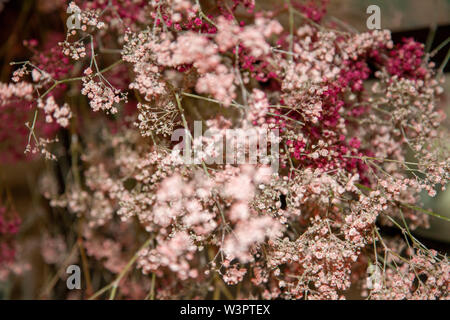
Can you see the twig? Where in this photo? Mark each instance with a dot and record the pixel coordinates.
(116, 281)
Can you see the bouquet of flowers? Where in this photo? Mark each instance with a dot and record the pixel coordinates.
(212, 149)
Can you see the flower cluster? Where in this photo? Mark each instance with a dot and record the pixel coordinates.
(53, 112)
(102, 96)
